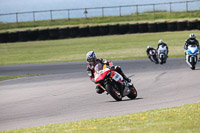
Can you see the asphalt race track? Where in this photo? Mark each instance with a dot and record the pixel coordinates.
(64, 93)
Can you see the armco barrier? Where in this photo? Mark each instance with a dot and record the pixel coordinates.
(13, 36)
(94, 31)
(172, 26)
(142, 28)
(53, 33)
(84, 31)
(63, 32)
(182, 25)
(152, 27)
(192, 25)
(4, 37)
(162, 26)
(112, 29)
(33, 34)
(198, 24)
(104, 29)
(133, 28)
(43, 34)
(23, 36)
(123, 28)
(74, 32)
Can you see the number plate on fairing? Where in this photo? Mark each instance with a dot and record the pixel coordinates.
(117, 77)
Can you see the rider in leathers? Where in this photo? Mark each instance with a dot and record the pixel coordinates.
(161, 42)
(92, 60)
(191, 40)
(149, 48)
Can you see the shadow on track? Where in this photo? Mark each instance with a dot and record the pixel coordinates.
(127, 100)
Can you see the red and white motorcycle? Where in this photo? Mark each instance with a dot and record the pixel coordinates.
(113, 83)
(154, 56)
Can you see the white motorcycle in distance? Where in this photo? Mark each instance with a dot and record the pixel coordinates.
(162, 54)
(192, 56)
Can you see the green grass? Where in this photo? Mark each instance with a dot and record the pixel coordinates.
(129, 46)
(147, 16)
(182, 119)
(7, 77)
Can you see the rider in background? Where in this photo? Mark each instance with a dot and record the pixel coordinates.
(149, 48)
(161, 42)
(92, 61)
(191, 40)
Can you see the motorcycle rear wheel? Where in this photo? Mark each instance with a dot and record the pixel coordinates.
(113, 92)
(133, 93)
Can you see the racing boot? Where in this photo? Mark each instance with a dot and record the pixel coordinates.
(126, 78)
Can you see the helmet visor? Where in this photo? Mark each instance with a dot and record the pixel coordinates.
(91, 60)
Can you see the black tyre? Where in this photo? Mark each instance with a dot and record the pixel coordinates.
(193, 64)
(156, 59)
(161, 60)
(113, 92)
(133, 93)
(193, 67)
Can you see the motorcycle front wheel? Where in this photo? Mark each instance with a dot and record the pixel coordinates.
(133, 93)
(193, 64)
(113, 92)
(156, 59)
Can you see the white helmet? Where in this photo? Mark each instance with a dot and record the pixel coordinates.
(149, 47)
(192, 36)
(160, 41)
(91, 57)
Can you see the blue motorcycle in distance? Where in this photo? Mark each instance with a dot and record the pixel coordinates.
(192, 56)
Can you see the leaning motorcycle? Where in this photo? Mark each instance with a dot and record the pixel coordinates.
(162, 54)
(112, 82)
(153, 56)
(192, 56)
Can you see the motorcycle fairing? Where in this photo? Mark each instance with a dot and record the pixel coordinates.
(192, 50)
(116, 76)
(101, 75)
(192, 55)
(162, 49)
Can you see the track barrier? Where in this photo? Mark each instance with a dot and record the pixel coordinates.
(98, 30)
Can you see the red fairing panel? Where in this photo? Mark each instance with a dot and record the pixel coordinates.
(102, 75)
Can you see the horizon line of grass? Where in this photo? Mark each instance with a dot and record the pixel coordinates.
(146, 16)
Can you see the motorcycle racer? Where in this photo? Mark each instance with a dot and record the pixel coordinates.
(149, 48)
(191, 40)
(161, 42)
(92, 61)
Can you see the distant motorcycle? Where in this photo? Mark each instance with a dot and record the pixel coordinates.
(162, 54)
(112, 82)
(153, 55)
(192, 55)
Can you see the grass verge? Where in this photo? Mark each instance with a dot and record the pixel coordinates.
(181, 119)
(7, 77)
(129, 46)
(146, 16)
